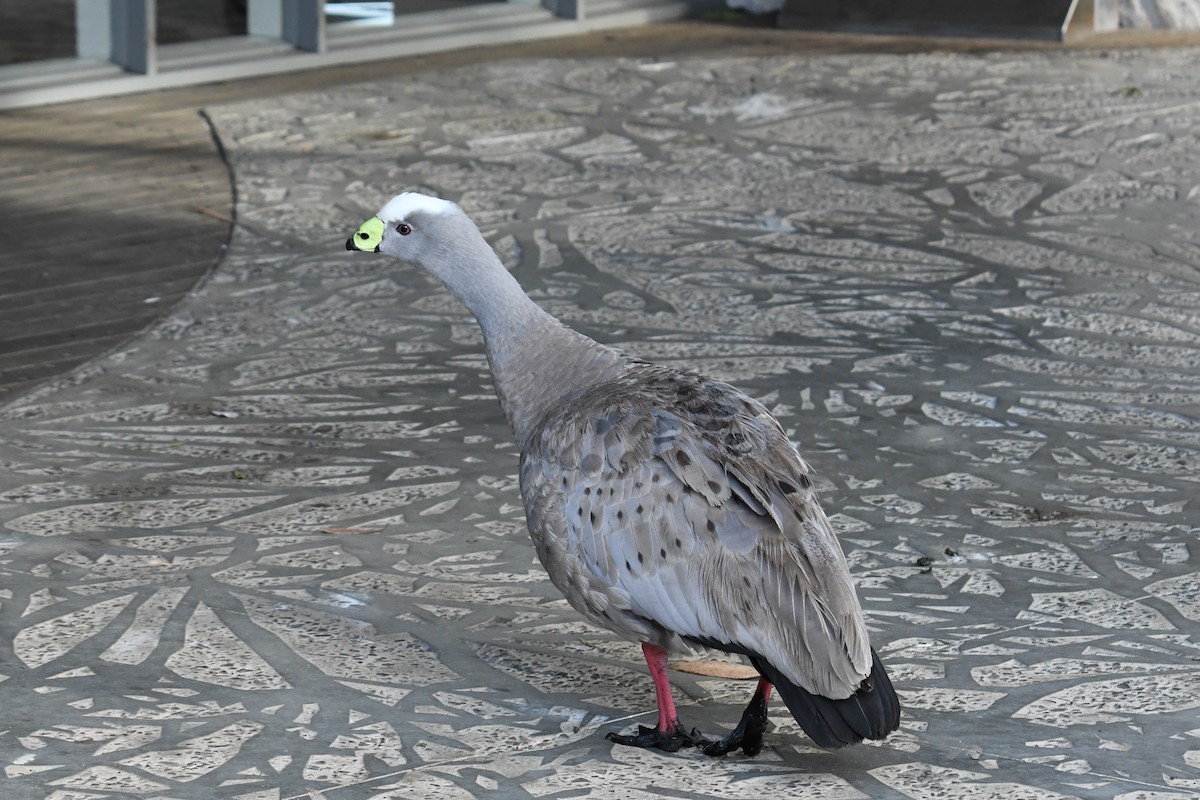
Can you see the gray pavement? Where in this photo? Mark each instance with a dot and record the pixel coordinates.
(273, 548)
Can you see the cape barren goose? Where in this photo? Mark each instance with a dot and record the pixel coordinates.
(666, 507)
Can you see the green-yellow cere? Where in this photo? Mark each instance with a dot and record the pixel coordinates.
(369, 234)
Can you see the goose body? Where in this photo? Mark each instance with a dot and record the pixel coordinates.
(667, 507)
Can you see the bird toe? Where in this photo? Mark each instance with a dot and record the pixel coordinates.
(751, 743)
(670, 740)
(748, 735)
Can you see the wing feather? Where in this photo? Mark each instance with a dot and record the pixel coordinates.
(693, 526)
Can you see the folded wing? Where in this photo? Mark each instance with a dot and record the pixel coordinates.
(686, 514)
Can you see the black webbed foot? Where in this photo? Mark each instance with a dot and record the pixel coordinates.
(669, 740)
(748, 734)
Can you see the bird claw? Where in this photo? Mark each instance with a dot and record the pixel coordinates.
(748, 734)
(670, 740)
(751, 744)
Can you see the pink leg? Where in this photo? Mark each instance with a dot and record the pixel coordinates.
(669, 735)
(656, 660)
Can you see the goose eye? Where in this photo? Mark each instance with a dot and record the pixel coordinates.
(404, 229)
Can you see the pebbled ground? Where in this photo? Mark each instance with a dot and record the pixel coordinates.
(274, 546)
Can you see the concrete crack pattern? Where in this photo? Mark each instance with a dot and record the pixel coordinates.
(274, 547)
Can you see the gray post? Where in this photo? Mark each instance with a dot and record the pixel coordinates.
(300, 23)
(120, 31)
(569, 9)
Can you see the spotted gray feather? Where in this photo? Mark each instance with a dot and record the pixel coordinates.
(669, 508)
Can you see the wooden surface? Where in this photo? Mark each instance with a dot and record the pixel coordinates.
(100, 228)
(112, 210)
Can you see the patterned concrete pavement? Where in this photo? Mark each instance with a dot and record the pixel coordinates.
(273, 549)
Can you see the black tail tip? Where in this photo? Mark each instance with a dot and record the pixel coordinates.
(870, 713)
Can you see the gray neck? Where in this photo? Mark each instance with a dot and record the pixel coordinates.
(536, 361)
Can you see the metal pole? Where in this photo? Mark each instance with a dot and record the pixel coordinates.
(568, 9)
(300, 23)
(120, 31)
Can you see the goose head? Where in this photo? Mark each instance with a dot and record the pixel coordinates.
(410, 227)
